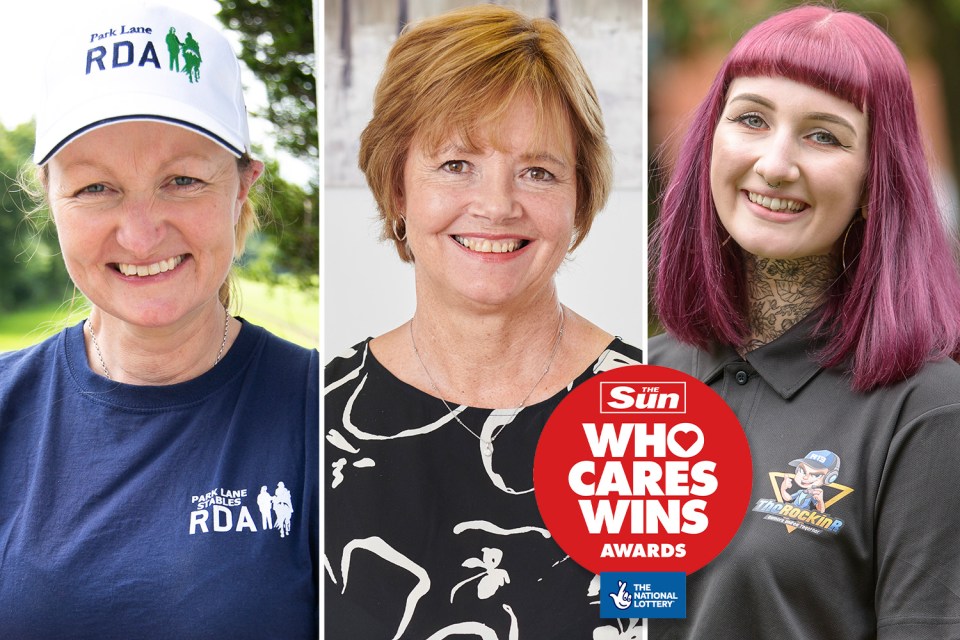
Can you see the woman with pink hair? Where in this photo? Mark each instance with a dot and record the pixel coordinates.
(805, 273)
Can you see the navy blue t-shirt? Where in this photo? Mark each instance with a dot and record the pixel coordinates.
(180, 511)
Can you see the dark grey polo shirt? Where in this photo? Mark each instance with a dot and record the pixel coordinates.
(882, 560)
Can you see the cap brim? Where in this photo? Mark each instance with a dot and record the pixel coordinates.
(114, 109)
(809, 463)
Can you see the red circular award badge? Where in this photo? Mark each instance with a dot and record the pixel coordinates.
(642, 468)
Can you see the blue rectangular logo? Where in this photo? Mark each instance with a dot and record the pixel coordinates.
(626, 594)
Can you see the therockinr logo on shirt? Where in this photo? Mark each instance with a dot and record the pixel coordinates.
(223, 509)
(802, 497)
(124, 46)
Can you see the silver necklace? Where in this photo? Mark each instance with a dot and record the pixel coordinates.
(487, 443)
(103, 365)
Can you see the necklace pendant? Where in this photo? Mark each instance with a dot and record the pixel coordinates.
(486, 446)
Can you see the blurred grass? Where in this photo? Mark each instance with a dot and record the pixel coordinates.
(282, 309)
(23, 328)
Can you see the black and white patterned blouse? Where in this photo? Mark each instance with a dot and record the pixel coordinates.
(426, 536)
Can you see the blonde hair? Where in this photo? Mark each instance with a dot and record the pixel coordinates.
(32, 180)
(463, 70)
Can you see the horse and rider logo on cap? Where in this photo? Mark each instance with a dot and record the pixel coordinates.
(191, 54)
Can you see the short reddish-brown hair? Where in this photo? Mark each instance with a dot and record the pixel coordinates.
(461, 71)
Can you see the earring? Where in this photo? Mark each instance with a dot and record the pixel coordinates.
(843, 248)
(396, 234)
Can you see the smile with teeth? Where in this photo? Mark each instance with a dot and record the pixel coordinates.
(776, 204)
(149, 269)
(485, 245)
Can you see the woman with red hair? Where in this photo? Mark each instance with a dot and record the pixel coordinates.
(805, 273)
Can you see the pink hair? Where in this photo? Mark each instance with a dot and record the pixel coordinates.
(883, 316)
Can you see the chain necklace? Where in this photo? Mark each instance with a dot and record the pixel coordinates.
(487, 443)
(103, 365)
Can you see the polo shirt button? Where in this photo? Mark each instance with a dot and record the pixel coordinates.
(742, 377)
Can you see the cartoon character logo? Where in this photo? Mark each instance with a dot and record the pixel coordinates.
(802, 498)
(621, 599)
(813, 472)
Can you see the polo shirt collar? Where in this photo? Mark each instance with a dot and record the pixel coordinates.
(787, 364)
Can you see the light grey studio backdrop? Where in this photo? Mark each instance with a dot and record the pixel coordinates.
(367, 289)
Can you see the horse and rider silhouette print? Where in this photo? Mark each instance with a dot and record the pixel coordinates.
(281, 505)
(190, 49)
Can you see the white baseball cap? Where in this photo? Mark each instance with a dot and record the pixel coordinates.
(141, 62)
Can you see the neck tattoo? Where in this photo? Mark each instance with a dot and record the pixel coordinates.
(486, 444)
(783, 292)
(103, 365)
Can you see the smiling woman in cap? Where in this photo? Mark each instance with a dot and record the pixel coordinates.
(157, 461)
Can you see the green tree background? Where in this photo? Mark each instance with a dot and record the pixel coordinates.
(277, 45)
(276, 37)
(31, 271)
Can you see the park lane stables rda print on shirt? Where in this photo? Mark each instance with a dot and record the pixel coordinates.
(222, 509)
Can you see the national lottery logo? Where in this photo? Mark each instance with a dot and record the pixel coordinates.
(643, 595)
(642, 469)
(622, 598)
